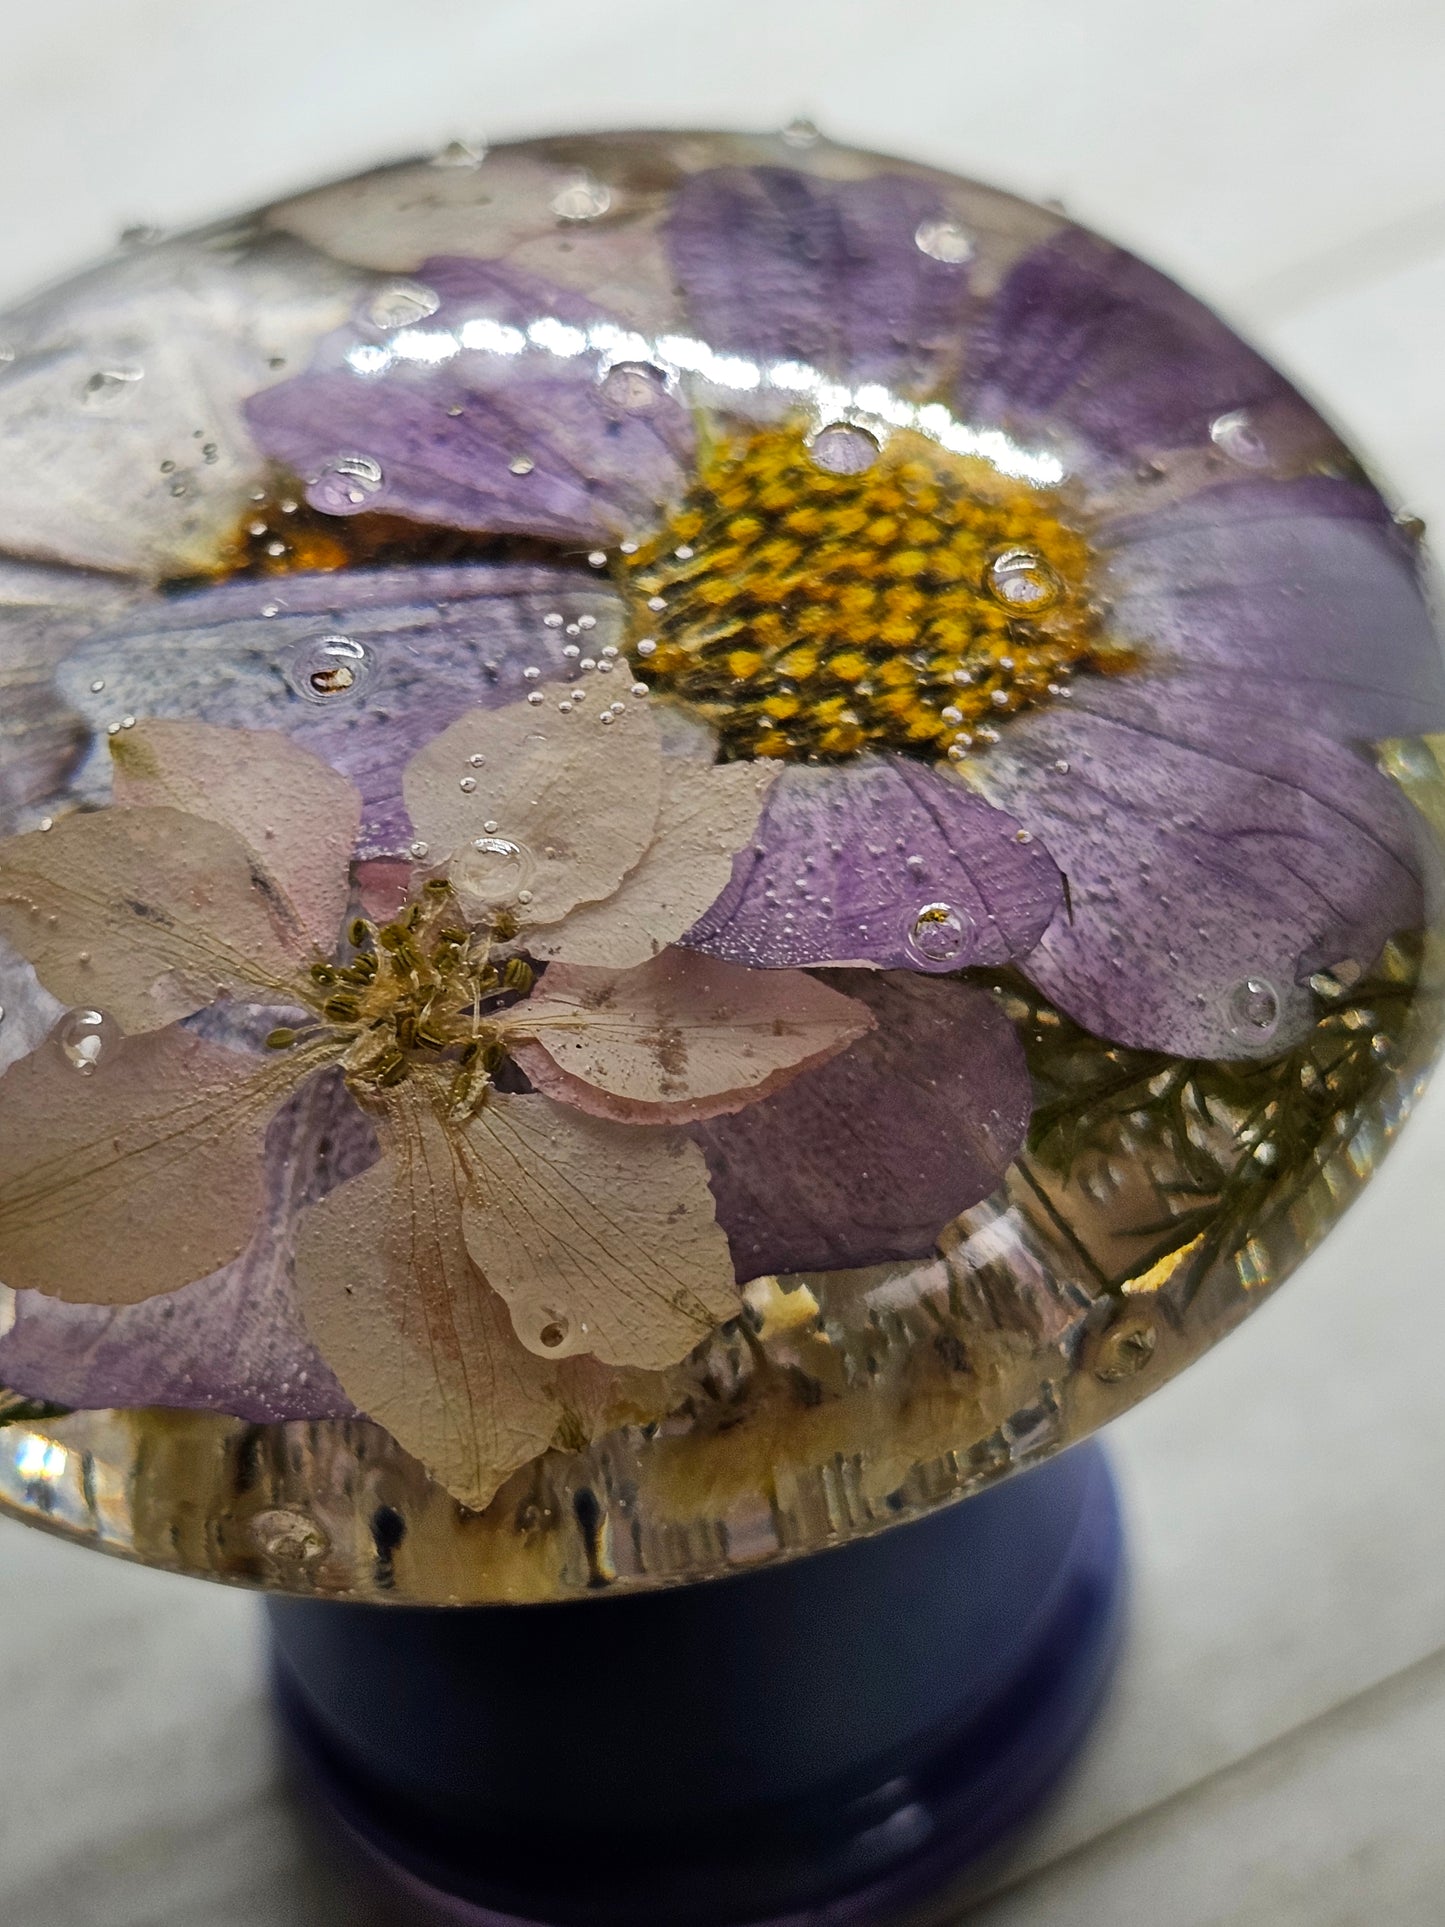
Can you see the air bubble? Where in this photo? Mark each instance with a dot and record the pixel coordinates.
(107, 386)
(460, 154)
(85, 1036)
(401, 305)
(1252, 1009)
(801, 132)
(1023, 581)
(521, 465)
(345, 484)
(1236, 435)
(842, 449)
(636, 387)
(943, 240)
(939, 935)
(492, 869)
(329, 669)
(582, 199)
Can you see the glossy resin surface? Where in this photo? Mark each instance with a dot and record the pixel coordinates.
(703, 838)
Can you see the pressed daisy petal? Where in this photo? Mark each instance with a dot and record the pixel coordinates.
(435, 642)
(1301, 593)
(1206, 851)
(494, 414)
(600, 1237)
(233, 1342)
(867, 1158)
(883, 862)
(1083, 336)
(555, 813)
(295, 815)
(706, 816)
(782, 265)
(146, 914)
(113, 375)
(682, 1037)
(136, 1176)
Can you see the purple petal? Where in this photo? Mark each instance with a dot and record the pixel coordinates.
(1207, 850)
(1083, 335)
(231, 1343)
(867, 1159)
(848, 859)
(1301, 597)
(529, 439)
(43, 611)
(439, 641)
(789, 267)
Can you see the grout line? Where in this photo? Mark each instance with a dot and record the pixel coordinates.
(1417, 1671)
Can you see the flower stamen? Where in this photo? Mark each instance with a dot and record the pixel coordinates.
(810, 614)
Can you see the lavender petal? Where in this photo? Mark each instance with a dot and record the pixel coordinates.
(527, 438)
(867, 1159)
(785, 266)
(848, 860)
(1206, 850)
(439, 641)
(1303, 592)
(1084, 336)
(233, 1342)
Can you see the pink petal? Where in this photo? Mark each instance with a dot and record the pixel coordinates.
(295, 814)
(677, 1039)
(147, 914)
(138, 1176)
(601, 1238)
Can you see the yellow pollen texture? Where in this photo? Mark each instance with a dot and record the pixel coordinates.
(810, 614)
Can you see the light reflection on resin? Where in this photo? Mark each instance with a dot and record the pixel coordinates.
(701, 839)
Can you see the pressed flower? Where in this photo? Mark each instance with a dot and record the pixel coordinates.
(209, 885)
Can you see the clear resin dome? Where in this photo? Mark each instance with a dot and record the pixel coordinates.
(701, 838)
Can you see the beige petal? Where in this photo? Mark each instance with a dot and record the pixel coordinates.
(294, 812)
(405, 1320)
(398, 217)
(147, 914)
(684, 1037)
(706, 817)
(128, 390)
(601, 1238)
(561, 806)
(136, 1177)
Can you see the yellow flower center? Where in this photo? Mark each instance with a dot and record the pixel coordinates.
(811, 612)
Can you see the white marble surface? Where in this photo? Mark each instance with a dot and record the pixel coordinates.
(1275, 1753)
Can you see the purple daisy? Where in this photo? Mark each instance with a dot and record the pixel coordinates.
(1210, 813)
